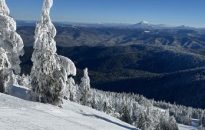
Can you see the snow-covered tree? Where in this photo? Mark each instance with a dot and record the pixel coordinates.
(167, 124)
(126, 114)
(50, 71)
(71, 90)
(107, 106)
(24, 80)
(85, 88)
(133, 109)
(10, 40)
(11, 47)
(5, 69)
(143, 121)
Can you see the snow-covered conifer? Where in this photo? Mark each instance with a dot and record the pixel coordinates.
(5, 70)
(24, 80)
(71, 89)
(50, 71)
(107, 108)
(11, 47)
(10, 40)
(85, 88)
(167, 124)
(126, 114)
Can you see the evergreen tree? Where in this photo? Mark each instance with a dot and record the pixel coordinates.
(85, 88)
(50, 71)
(143, 121)
(5, 68)
(10, 40)
(71, 90)
(11, 47)
(126, 114)
(167, 124)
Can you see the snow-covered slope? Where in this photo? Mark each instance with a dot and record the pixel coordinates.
(18, 114)
(185, 127)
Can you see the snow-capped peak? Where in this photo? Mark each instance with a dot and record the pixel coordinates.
(143, 22)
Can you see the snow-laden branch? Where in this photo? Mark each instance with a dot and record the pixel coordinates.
(4, 8)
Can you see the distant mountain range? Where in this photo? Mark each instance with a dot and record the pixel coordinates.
(141, 24)
(164, 63)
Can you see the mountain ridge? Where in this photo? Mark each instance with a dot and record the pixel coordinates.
(130, 54)
(140, 24)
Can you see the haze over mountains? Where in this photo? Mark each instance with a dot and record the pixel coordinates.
(157, 61)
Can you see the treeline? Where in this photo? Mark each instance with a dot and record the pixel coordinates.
(133, 109)
(184, 115)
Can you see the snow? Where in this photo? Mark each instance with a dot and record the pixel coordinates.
(147, 31)
(143, 22)
(20, 92)
(10, 40)
(55, 69)
(185, 127)
(4, 8)
(68, 65)
(19, 114)
(195, 122)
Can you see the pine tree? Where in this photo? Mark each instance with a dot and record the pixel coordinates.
(85, 88)
(11, 47)
(71, 89)
(126, 114)
(107, 108)
(50, 71)
(4, 70)
(142, 121)
(10, 40)
(167, 123)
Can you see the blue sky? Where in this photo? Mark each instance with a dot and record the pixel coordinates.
(171, 12)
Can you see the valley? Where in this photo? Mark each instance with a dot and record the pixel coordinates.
(165, 64)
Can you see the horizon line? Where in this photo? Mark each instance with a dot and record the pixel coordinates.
(114, 23)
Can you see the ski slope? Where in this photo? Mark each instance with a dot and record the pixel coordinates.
(19, 114)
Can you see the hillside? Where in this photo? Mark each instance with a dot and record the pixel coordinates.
(74, 35)
(153, 71)
(21, 114)
(67, 76)
(18, 114)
